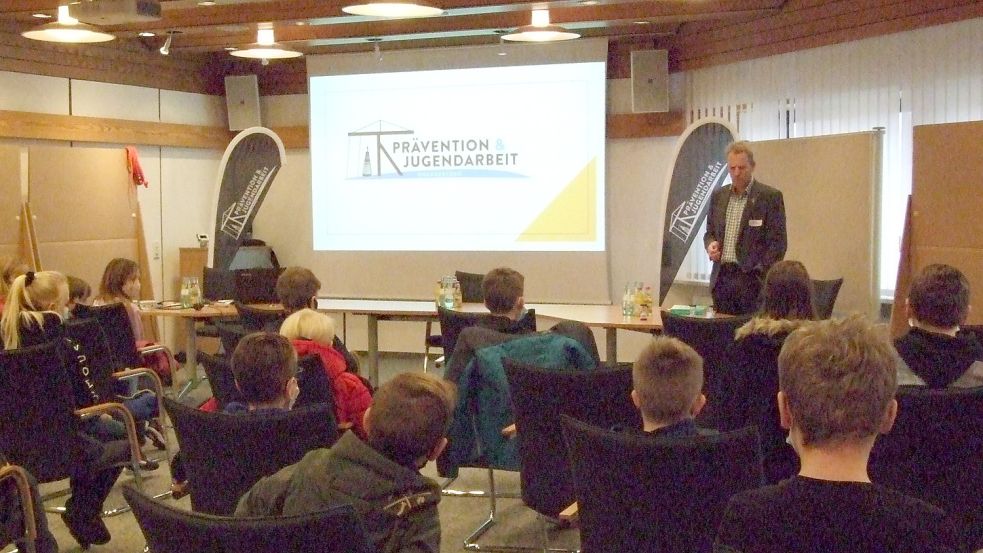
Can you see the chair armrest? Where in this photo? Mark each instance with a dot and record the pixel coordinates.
(509, 431)
(570, 514)
(127, 418)
(146, 350)
(19, 476)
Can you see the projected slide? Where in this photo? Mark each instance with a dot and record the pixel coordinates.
(488, 159)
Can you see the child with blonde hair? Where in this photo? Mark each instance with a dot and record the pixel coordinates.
(311, 332)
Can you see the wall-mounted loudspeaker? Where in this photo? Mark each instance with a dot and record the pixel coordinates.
(242, 101)
(649, 80)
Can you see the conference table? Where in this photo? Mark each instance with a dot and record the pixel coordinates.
(608, 317)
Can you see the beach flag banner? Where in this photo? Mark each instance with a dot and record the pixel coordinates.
(699, 168)
(248, 169)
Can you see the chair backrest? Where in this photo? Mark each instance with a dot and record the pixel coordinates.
(315, 386)
(15, 494)
(824, 294)
(639, 493)
(451, 325)
(935, 453)
(257, 285)
(39, 426)
(255, 319)
(710, 337)
(471, 290)
(539, 396)
(218, 284)
(99, 359)
(223, 384)
(229, 333)
(115, 323)
(171, 530)
(226, 454)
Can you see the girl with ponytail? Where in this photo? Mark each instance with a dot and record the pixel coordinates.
(34, 309)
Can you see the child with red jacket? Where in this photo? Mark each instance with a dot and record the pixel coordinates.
(311, 332)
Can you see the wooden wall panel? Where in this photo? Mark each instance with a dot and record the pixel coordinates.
(946, 226)
(803, 24)
(121, 61)
(10, 197)
(85, 259)
(80, 194)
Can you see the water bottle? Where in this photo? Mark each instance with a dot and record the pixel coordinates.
(194, 292)
(458, 296)
(185, 292)
(628, 301)
(447, 293)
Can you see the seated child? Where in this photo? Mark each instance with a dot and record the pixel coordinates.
(79, 292)
(264, 366)
(837, 381)
(935, 352)
(311, 332)
(32, 316)
(380, 477)
(10, 268)
(297, 289)
(667, 382)
(503, 289)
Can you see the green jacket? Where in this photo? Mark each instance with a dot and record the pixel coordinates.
(396, 503)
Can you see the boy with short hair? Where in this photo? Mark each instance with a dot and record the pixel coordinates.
(406, 428)
(503, 291)
(935, 352)
(837, 383)
(264, 366)
(667, 380)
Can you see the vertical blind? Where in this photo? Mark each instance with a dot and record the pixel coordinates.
(893, 82)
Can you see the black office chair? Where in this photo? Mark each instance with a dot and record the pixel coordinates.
(935, 453)
(103, 367)
(226, 454)
(471, 292)
(171, 530)
(218, 284)
(824, 294)
(539, 396)
(710, 337)
(219, 373)
(41, 427)
(255, 319)
(16, 495)
(229, 333)
(639, 493)
(115, 323)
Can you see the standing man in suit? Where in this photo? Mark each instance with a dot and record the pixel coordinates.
(745, 234)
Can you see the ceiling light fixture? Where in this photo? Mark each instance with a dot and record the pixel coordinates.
(40, 15)
(266, 48)
(166, 48)
(67, 29)
(393, 9)
(146, 34)
(540, 30)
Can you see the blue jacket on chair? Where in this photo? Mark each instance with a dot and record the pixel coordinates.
(484, 404)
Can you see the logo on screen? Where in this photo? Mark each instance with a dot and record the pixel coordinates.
(384, 150)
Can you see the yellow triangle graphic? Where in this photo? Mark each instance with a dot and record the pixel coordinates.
(571, 216)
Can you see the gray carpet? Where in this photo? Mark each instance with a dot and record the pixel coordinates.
(517, 524)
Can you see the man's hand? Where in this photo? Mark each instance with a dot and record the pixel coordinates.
(713, 250)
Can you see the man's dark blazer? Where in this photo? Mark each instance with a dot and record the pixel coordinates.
(758, 247)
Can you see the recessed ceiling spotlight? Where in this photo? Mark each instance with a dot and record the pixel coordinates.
(146, 33)
(301, 23)
(642, 22)
(207, 3)
(40, 15)
(230, 48)
(589, 2)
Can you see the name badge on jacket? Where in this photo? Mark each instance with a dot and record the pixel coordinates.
(754, 222)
